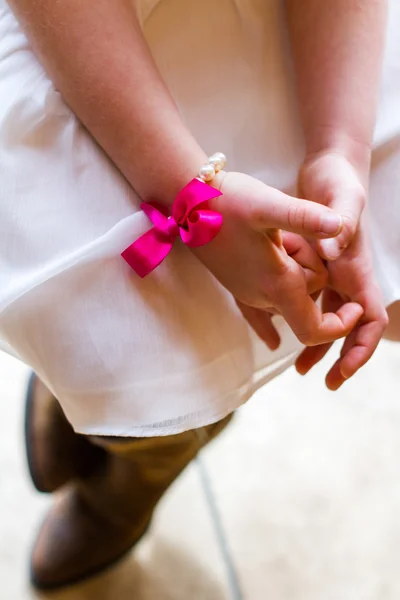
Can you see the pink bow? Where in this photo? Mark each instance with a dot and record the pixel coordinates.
(191, 218)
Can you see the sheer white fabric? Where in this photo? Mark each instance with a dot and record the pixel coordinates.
(136, 357)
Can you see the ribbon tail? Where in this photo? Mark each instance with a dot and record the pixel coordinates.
(146, 253)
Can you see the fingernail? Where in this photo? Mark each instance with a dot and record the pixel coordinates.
(347, 375)
(302, 372)
(331, 224)
(330, 248)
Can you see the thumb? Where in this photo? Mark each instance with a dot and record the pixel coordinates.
(350, 205)
(279, 211)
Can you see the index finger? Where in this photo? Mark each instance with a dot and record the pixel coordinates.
(303, 315)
(356, 352)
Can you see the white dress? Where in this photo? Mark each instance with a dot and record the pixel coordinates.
(134, 357)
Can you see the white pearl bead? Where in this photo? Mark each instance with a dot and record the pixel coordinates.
(221, 157)
(207, 172)
(216, 162)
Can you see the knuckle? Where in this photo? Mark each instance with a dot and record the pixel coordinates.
(265, 299)
(262, 298)
(256, 299)
(350, 222)
(265, 302)
(349, 226)
(305, 338)
(296, 215)
(267, 296)
(361, 196)
(272, 294)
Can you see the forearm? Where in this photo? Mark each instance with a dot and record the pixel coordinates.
(95, 54)
(337, 49)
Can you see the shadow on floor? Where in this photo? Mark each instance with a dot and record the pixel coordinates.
(161, 572)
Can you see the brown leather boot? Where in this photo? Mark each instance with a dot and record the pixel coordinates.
(98, 518)
(55, 453)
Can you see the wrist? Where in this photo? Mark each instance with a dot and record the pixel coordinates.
(191, 218)
(330, 140)
(178, 163)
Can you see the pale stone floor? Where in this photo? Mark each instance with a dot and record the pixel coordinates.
(299, 500)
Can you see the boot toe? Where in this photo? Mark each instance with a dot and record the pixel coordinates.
(75, 543)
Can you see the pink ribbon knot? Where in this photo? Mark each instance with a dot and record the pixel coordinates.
(191, 219)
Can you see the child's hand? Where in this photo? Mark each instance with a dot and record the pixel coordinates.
(249, 259)
(330, 179)
(260, 320)
(351, 278)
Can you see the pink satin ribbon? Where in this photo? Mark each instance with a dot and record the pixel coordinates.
(191, 219)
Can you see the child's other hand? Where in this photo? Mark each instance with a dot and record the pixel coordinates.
(328, 178)
(250, 260)
(351, 278)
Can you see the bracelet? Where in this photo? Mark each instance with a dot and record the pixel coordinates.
(191, 219)
(215, 163)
